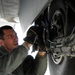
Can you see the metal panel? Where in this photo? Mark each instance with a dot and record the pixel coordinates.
(9, 8)
(29, 10)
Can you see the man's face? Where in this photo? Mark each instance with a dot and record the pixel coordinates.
(10, 40)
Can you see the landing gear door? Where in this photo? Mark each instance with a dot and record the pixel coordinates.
(29, 10)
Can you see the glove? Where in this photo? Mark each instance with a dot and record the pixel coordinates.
(31, 34)
(35, 37)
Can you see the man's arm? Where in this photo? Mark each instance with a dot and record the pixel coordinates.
(41, 63)
(41, 58)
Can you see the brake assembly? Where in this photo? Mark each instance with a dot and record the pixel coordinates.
(63, 46)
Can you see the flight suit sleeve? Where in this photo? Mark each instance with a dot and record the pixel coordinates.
(41, 64)
(35, 66)
(12, 60)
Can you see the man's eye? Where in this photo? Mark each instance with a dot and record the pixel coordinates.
(10, 36)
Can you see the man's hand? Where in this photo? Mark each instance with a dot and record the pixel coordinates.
(31, 34)
(41, 53)
(35, 36)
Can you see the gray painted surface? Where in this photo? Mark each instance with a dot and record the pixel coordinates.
(29, 10)
(9, 8)
(26, 10)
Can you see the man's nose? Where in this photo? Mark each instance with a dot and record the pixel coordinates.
(16, 38)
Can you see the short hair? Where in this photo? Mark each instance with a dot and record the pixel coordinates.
(6, 27)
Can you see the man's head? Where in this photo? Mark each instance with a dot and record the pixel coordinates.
(8, 38)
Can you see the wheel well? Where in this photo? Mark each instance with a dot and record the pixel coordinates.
(70, 20)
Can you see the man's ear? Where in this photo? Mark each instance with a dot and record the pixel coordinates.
(1, 41)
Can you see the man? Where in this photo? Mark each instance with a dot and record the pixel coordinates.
(12, 55)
